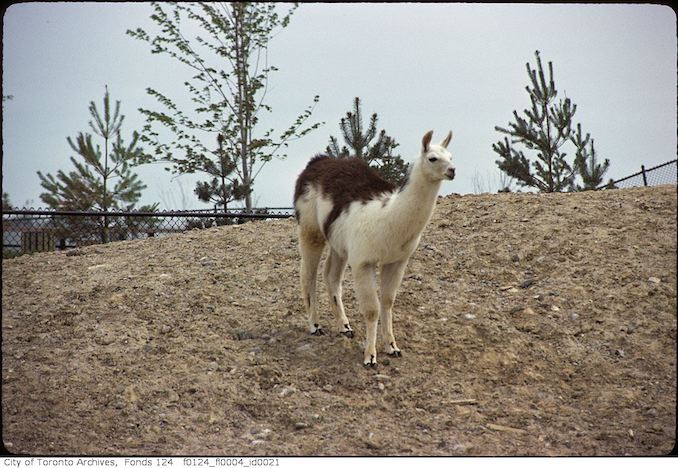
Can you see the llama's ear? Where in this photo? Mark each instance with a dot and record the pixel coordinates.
(447, 139)
(426, 141)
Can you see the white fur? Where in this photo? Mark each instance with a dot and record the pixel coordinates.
(380, 233)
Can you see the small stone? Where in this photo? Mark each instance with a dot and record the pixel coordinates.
(382, 376)
(243, 335)
(287, 390)
(654, 279)
(515, 258)
(469, 316)
(527, 283)
(381, 386)
(305, 348)
(104, 339)
(259, 433)
(165, 329)
(631, 434)
(431, 248)
(328, 388)
(372, 442)
(620, 352)
(574, 316)
(300, 425)
(212, 366)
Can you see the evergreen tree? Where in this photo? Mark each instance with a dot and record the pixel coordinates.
(229, 90)
(378, 154)
(545, 128)
(101, 181)
(223, 187)
(588, 168)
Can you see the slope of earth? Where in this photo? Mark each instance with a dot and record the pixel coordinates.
(530, 325)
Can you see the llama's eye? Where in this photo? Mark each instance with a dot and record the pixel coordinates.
(433, 159)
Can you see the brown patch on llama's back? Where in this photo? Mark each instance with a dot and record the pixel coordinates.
(344, 181)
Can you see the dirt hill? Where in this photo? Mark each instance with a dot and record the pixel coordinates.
(529, 324)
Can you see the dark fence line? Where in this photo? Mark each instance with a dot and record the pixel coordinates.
(657, 175)
(27, 231)
(257, 213)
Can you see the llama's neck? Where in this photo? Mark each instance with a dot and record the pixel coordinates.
(412, 207)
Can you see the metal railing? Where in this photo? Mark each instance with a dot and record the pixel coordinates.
(657, 175)
(27, 231)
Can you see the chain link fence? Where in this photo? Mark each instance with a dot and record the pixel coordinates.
(658, 175)
(27, 231)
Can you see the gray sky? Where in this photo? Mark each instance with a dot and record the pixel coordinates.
(419, 66)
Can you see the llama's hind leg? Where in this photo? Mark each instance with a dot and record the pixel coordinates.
(366, 292)
(391, 276)
(335, 266)
(311, 248)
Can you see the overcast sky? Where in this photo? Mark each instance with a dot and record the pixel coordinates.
(419, 66)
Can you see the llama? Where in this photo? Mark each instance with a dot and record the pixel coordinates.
(368, 224)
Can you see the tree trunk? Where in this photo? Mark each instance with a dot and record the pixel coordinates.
(105, 234)
(243, 102)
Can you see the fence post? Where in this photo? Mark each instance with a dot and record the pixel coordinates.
(642, 170)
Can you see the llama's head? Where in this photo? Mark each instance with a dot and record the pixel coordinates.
(436, 160)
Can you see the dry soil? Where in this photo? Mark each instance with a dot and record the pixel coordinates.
(530, 325)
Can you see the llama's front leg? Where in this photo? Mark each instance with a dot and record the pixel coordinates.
(311, 250)
(391, 276)
(334, 274)
(366, 291)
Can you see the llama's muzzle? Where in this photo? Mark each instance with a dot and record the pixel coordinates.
(450, 173)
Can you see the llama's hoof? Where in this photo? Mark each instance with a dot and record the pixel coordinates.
(348, 333)
(371, 363)
(393, 351)
(318, 331)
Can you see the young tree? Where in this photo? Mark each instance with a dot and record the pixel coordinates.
(224, 187)
(586, 164)
(378, 154)
(545, 128)
(101, 181)
(229, 90)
